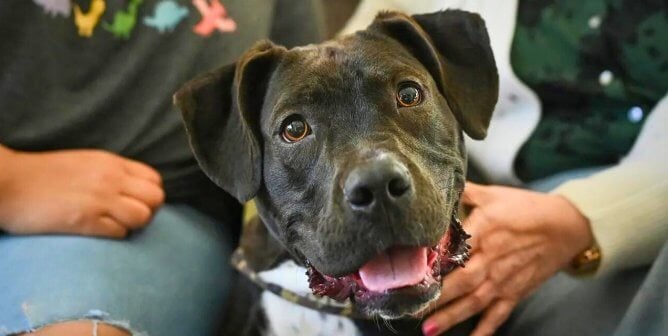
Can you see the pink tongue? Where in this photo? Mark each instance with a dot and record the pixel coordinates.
(394, 268)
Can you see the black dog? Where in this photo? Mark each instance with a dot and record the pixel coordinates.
(353, 152)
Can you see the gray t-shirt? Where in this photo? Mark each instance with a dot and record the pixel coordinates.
(101, 73)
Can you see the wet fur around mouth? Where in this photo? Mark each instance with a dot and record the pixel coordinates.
(346, 91)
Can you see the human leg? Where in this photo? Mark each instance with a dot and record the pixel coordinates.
(170, 278)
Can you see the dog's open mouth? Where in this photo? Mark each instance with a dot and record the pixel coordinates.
(398, 270)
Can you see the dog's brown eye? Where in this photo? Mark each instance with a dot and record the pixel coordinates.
(295, 128)
(409, 94)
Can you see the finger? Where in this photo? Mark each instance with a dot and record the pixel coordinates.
(147, 192)
(493, 317)
(142, 170)
(473, 224)
(463, 281)
(473, 194)
(129, 212)
(105, 226)
(460, 310)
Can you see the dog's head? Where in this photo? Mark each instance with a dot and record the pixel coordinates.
(353, 149)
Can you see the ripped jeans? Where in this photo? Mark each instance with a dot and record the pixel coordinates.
(170, 278)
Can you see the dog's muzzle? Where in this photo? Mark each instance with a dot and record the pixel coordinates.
(396, 268)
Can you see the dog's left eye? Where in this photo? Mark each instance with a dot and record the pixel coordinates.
(295, 128)
(408, 95)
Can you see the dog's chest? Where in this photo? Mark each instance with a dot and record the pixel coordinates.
(286, 318)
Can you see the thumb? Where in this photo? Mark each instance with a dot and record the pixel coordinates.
(473, 194)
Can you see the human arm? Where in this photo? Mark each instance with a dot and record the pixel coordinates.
(623, 208)
(627, 204)
(367, 10)
(87, 192)
(5, 156)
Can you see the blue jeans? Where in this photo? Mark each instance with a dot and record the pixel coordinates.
(170, 278)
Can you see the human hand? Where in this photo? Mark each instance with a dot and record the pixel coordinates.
(519, 239)
(86, 192)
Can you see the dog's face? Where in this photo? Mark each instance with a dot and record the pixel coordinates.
(353, 150)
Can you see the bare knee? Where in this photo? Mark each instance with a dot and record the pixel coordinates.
(78, 328)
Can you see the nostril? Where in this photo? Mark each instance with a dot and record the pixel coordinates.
(360, 196)
(398, 186)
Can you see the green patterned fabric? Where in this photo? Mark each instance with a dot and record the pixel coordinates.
(598, 67)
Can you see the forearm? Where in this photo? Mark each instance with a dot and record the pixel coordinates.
(626, 208)
(626, 204)
(368, 9)
(5, 157)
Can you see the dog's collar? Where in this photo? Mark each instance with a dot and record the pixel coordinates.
(322, 304)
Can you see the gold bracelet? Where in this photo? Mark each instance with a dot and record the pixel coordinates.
(586, 261)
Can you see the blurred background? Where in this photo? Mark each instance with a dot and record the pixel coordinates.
(336, 14)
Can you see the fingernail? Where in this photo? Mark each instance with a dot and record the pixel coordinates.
(430, 328)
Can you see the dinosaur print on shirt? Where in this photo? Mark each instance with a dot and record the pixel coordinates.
(214, 17)
(124, 21)
(86, 22)
(166, 16)
(55, 7)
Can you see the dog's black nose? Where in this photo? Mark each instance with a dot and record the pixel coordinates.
(380, 180)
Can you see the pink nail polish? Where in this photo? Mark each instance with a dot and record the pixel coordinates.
(430, 328)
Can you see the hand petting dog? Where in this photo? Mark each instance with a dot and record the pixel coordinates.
(519, 239)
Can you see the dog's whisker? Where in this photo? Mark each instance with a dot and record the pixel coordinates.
(418, 318)
(376, 321)
(389, 326)
(415, 235)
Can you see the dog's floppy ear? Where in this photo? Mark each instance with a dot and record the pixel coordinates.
(454, 47)
(221, 113)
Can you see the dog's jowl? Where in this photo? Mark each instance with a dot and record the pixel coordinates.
(353, 152)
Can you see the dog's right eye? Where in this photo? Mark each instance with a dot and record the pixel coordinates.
(295, 128)
(409, 95)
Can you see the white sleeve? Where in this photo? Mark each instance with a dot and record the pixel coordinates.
(368, 9)
(627, 205)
